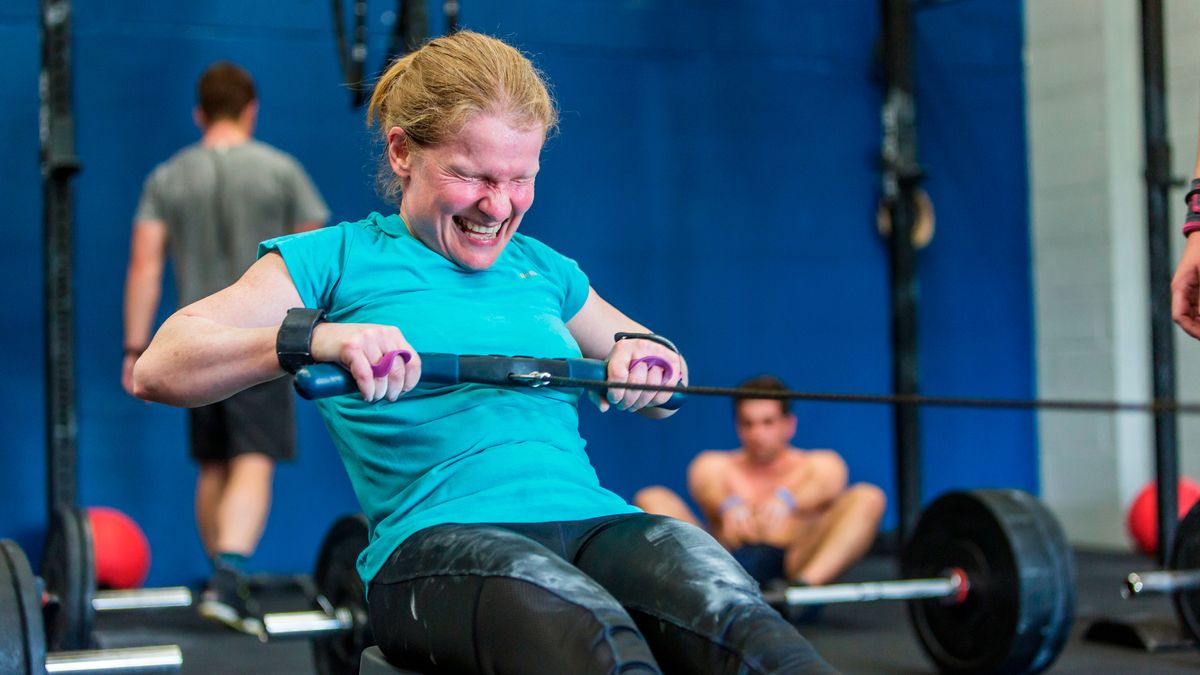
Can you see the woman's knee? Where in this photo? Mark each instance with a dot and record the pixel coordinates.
(667, 568)
(698, 608)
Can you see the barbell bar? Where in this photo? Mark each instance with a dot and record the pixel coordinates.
(307, 624)
(954, 588)
(163, 659)
(1160, 582)
(1181, 579)
(142, 598)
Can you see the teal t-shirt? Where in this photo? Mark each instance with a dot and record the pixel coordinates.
(463, 453)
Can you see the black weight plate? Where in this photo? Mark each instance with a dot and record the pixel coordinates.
(22, 640)
(1186, 556)
(336, 577)
(69, 573)
(1061, 588)
(1018, 613)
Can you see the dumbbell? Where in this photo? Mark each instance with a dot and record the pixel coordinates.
(68, 574)
(1181, 579)
(22, 635)
(991, 584)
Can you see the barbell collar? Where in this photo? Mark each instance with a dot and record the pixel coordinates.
(1160, 582)
(308, 623)
(952, 587)
(142, 598)
(163, 659)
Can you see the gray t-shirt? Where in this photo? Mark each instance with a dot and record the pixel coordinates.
(219, 203)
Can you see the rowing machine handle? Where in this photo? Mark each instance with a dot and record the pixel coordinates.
(322, 380)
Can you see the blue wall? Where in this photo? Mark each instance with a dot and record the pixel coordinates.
(715, 175)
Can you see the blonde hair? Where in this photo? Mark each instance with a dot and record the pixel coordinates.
(433, 92)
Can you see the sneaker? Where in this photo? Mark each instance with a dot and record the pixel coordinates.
(227, 599)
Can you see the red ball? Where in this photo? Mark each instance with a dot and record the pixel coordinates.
(122, 552)
(1142, 519)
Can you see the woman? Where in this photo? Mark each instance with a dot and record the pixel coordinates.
(493, 546)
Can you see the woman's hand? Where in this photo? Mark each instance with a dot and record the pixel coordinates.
(373, 353)
(641, 361)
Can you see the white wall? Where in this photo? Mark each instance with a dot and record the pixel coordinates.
(1087, 200)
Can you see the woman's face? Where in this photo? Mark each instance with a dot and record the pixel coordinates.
(465, 198)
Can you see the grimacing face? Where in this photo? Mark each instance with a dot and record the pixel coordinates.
(764, 429)
(465, 198)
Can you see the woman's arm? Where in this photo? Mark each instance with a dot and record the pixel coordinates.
(594, 326)
(225, 343)
(222, 344)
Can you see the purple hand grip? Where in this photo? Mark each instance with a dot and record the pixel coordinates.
(652, 361)
(384, 366)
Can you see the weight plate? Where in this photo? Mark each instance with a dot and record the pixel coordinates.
(69, 573)
(1186, 556)
(336, 577)
(22, 640)
(1021, 601)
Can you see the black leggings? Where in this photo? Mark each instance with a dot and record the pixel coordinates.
(621, 594)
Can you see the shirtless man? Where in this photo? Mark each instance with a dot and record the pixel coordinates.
(783, 512)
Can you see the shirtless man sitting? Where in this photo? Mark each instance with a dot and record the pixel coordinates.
(783, 512)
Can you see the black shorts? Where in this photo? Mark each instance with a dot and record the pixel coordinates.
(260, 419)
(632, 594)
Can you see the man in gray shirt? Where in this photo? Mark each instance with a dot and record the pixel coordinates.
(210, 205)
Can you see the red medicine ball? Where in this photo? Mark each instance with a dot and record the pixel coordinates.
(122, 552)
(1142, 519)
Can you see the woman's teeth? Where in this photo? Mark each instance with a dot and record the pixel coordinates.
(481, 231)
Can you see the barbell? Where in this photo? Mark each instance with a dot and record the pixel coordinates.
(22, 633)
(68, 575)
(1181, 579)
(992, 587)
(339, 629)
